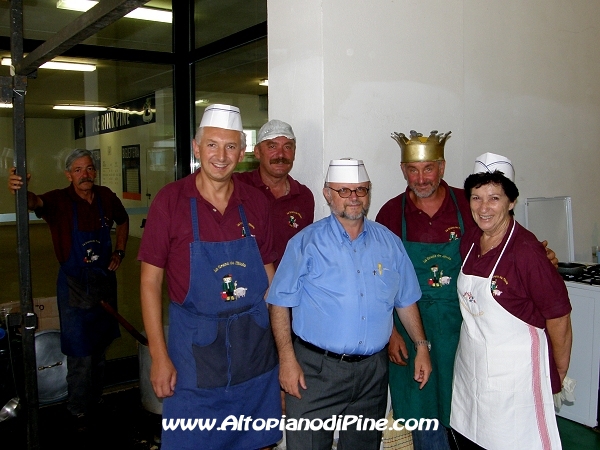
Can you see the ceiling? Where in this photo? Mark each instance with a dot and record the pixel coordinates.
(116, 81)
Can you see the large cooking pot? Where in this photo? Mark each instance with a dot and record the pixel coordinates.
(569, 268)
(51, 366)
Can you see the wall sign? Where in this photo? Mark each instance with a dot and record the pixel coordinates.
(132, 188)
(134, 113)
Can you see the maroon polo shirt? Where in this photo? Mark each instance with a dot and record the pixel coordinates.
(289, 213)
(57, 211)
(422, 228)
(529, 287)
(168, 231)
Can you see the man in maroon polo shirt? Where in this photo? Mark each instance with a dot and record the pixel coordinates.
(211, 235)
(292, 204)
(80, 218)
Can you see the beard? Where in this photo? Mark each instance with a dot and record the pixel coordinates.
(424, 190)
(342, 213)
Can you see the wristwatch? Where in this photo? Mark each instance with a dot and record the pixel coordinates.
(120, 254)
(427, 343)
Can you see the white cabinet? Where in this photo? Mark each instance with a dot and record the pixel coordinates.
(585, 355)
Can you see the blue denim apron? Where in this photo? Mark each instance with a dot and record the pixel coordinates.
(221, 344)
(84, 280)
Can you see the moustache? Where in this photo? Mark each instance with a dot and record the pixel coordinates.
(280, 161)
(86, 180)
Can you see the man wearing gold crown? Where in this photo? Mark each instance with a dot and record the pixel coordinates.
(430, 217)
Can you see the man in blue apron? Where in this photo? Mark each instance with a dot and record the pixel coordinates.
(80, 218)
(430, 218)
(212, 237)
(341, 277)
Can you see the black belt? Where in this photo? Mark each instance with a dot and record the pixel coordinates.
(340, 356)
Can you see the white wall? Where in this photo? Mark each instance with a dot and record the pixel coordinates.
(520, 78)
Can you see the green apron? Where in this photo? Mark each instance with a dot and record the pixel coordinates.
(437, 267)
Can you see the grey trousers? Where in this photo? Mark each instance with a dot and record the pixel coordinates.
(85, 381)
(337, 388)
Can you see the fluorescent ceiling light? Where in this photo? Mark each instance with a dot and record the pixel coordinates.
(5, 105)
(80, 108)
(155, 15)
(264, 82)
(59, 65)
(202, 101)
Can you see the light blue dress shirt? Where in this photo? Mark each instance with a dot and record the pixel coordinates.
(342, 292)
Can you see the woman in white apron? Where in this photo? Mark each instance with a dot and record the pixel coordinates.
(511, 300)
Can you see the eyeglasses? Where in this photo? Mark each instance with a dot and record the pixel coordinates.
(347, 192)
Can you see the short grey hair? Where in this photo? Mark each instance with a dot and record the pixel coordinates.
(200, 132)
(76, 154)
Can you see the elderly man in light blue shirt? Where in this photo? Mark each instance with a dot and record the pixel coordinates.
(342, 277)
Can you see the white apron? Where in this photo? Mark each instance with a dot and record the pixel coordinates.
(501, 393)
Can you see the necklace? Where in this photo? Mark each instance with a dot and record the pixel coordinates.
(495, 241)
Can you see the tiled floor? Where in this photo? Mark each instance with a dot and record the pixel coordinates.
(578, 437)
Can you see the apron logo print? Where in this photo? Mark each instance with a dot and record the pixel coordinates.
(292, 222)
(231, 291)
(469, 297)
(494, 288)
(90, 256)
(453, 236)
(436, 280)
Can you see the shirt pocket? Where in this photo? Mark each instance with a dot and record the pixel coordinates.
(387, 284)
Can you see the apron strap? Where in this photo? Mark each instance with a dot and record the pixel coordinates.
(503, 248)
(196, 225)
(244, 221)
(458, 215)
(194, 212)
(100, 211)
(499, 257)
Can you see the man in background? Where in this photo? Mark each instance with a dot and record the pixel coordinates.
(80, 218)
(292, 204)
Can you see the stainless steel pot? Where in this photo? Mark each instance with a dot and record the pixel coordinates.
(51, 366)
(9, 410)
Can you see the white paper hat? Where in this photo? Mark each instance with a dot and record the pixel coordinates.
(222, 116)
(489, 162)
(346, 170)
(275, 128)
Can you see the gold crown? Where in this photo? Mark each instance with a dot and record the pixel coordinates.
(419, 148)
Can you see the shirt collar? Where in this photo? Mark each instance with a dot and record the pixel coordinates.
(258, 182)
(190, 190)
(340, 233)
(77, 198)
(447, 204)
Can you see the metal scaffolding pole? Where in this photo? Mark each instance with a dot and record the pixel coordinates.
(86, 25)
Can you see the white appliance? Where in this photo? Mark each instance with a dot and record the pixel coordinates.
(585, 353)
